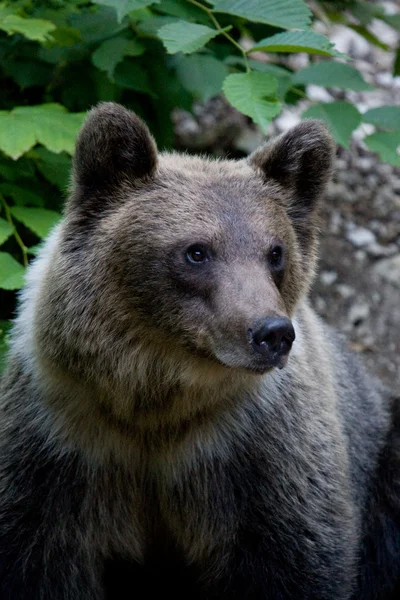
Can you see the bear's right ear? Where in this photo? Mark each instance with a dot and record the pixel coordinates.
(300, 160)
(114, 146)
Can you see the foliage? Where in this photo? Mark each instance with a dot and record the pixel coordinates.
(60, 57)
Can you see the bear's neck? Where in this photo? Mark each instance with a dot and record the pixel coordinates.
(164, 409)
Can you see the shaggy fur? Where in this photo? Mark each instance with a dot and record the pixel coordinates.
(146, 447)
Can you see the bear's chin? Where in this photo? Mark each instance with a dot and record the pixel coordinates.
(256, 367)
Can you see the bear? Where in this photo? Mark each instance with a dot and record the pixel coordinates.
(175, 418)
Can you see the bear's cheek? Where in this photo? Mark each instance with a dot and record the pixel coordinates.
(219, 313)
(174, 304)
(295, 282)
(211, 309)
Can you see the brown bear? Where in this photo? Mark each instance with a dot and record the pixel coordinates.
(175, 419)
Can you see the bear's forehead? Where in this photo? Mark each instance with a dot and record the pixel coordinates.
(213, 185)
(204, 170)
(211, 199)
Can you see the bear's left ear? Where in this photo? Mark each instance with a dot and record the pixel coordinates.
(113, 147)
(301, 160)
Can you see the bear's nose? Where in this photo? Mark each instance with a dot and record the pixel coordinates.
(273, 337)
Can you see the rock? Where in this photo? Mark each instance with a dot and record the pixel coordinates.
(249, 140)
(366, 164)
(320, 305)
(328, 277)
(346, 291)
(351, 178)
(318, 93)
(384, 79)
(358, 313)
(378, 251)
(360, 236)
(389, 270)
(214, 125)
(371, 180)
(289, 118)
(335, 222)
(360, 255)
(396, 185)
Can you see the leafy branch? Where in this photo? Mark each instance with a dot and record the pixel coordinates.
(221, 30)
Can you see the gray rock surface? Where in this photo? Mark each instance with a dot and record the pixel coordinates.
(363, 300)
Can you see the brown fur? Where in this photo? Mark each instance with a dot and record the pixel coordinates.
(132, 368)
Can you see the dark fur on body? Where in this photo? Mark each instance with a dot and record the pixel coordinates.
(146, 448)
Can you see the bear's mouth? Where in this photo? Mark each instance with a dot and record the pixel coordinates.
(257, 364)
(264, 349)
(246, 356)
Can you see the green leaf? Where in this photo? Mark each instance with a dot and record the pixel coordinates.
(140, 14)
(186, 37)
(254, 95)
(28, 73)
(362, 12)
(15, 170)
(20, 195)
(129, 74)
(332, 74)
(37, 30)
(66, 36)
(387, 117)
(16, 136)
(4, 328)
(7, 172)
(150, 27)
(96, 26)
(61, 55)
(387, 144)
(106, 90)
(201, 74)
(56, 168)
(47, 124)
(341, 117)
(369, 36)
(111, 52)
(81, 92)
(297, 41)
(392, 20)
(168, 98)
(287, 14)
(33, 250)
(396, 64)
(6, 229)
(11, 272)
(283, 76)
(38, 220)
(47, 9)
(183, 10)
(124, 7)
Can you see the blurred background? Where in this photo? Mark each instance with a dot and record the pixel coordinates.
(217, 77)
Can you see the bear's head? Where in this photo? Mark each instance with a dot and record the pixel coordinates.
(169, 259)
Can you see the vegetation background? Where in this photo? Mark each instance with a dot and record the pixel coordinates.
(60, 57)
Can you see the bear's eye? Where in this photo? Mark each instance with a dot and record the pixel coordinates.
(197, 254)
(275, 257)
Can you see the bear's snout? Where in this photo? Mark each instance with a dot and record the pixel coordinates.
(273, 338)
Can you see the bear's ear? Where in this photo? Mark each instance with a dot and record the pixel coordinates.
(114, 146)
(301, 160)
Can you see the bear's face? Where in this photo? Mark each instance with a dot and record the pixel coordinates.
(182, 253)
(204, 254)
